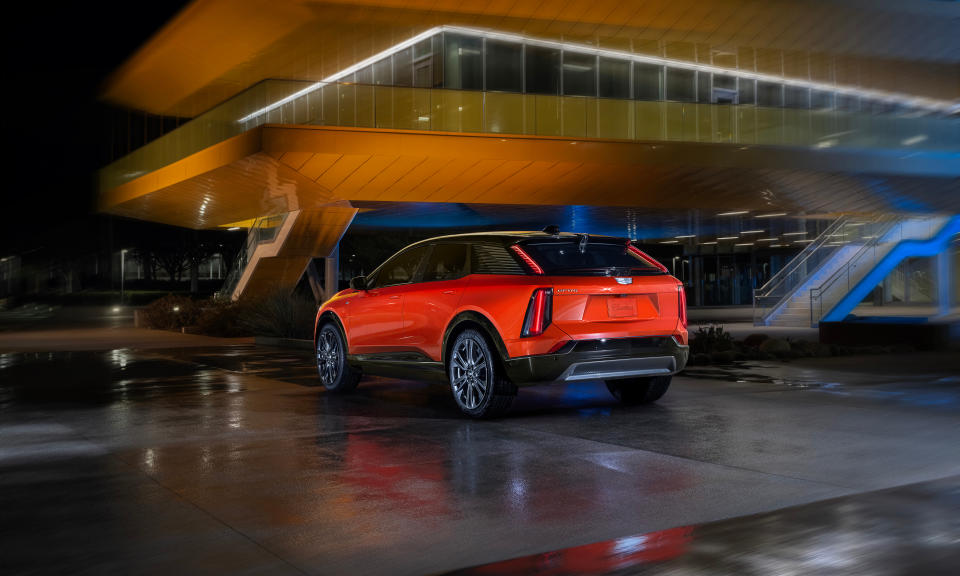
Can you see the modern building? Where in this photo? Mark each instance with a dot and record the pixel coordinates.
(800, 156)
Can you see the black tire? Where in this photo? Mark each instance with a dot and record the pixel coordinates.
(335, 373)
(633, 391)
(477, 381)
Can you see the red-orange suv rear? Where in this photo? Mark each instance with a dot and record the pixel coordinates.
(488, 312)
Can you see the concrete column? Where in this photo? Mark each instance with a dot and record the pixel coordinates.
(944, 281)
(331, 273)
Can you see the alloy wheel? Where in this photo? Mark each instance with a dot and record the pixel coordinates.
(470, 373)
(328, 357)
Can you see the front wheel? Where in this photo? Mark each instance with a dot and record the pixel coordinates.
(335, 374)
(479, 388)
(633, 391)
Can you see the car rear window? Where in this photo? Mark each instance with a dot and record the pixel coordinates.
(568, 257)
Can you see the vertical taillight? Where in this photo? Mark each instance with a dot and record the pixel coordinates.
(538, 315)
(646, 257)
(682, 305)
(527, 259)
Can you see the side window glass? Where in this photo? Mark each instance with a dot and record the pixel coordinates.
(446, 262)
(400, 269)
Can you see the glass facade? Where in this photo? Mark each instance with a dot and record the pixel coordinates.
(461, 61)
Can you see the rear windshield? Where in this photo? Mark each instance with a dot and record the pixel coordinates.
(565, 257)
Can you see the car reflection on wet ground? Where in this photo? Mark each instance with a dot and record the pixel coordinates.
(224, 459)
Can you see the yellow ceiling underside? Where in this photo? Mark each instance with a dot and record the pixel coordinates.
(279, 168)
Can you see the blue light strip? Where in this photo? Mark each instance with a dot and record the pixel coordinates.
(900, 252)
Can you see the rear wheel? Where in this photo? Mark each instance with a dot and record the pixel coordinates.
(479, 387)
(336, 375)
(632, 391)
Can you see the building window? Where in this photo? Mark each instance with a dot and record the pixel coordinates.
(681, 85)
(403, 68)
(365, 75)
(463, 62)
(647, 81)
(746, 91)
(769, 94)
(821, 99)
(794, 97)
(504, 66)
(543, 70)
(704, 87)
(848, 103)
(614, 78)
(579, 74)
(383, 72)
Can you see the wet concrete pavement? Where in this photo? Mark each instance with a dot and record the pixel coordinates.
(222, 459)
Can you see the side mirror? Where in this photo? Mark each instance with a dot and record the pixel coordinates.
(358, 283)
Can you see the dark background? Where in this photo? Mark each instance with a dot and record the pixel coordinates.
(56, 57)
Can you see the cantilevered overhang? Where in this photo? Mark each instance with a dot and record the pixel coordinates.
(232, 45)
(281, 168)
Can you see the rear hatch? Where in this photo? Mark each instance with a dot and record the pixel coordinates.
(605, 288)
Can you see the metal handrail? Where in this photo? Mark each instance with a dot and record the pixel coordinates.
(880, 237)
(778, 280)
(800, 259)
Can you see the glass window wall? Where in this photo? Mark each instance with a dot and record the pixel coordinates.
(647, 81)
(579, 74)
(681, 85)
(504, 66)
(542, 70)
(614, 79)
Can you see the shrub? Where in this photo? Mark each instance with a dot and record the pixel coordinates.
(170, 313)
(755, 340)
(279, 315)
(222, 318)
(710, 339)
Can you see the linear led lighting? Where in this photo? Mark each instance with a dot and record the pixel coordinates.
(707, 243)
(670, 242)
(729, 238)
(734, 213)
(945, 106)
(794, 234)
(774, 215)
(802, 241)
(767, 239)
(744, 244)
(752, 232)
(685, 236)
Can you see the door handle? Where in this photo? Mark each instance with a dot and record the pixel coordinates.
(449, 292)
(394, 297)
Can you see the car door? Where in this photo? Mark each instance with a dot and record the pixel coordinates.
(429, 307)
(376, 314)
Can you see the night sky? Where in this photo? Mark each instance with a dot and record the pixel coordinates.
(56, 56)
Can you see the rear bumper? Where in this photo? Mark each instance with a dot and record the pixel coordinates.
(606, 359)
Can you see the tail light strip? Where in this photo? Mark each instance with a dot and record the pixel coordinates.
(644, 256)
(539, 312)
(527, 259)
(682, 305)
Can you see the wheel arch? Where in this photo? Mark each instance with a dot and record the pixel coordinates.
(472, 319)
(332, 317)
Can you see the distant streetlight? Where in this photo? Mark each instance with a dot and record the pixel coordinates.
(123, 254)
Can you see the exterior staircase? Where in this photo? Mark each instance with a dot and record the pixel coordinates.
(841, 267)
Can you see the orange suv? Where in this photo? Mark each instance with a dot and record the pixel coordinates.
(487, 312)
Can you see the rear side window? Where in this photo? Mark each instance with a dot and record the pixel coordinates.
(400, 269)
(565, 257)
(493, 258)
(446, 262)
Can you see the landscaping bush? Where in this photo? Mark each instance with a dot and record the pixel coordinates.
(170, 313)
(710, 339)
(222, 318)
(280, 315)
